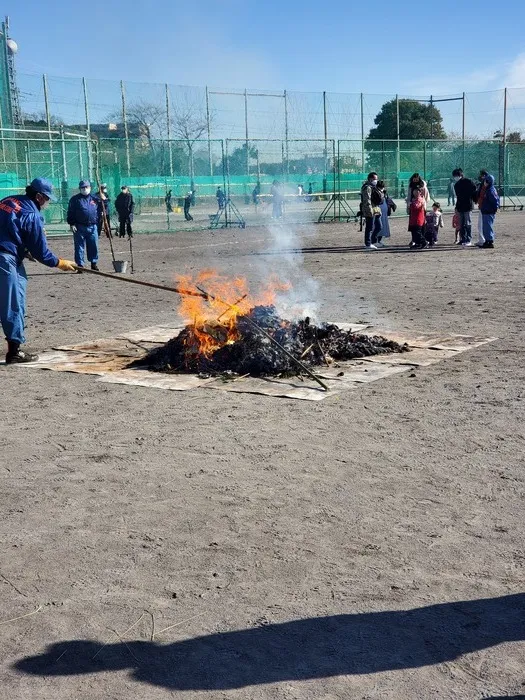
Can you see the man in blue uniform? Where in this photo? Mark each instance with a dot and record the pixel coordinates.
(82, 216)
(22, 232)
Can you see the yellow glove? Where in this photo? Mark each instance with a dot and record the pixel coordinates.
(66, 265)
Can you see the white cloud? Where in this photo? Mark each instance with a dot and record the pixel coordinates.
(515, 75)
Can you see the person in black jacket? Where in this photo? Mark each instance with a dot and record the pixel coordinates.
(465, 191)
(125, 205)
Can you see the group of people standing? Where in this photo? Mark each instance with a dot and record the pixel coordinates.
(88, 215)
(424, 223)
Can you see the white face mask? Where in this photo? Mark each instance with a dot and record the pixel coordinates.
(457, 178)
(85, 190)
(373, 182)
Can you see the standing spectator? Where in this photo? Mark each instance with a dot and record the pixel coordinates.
(489, 206)
(125, 206)
(310, 192)
(433, 222)
(167, 200)
(300, 191)
(416, 182)
(371, 199)
(187, 204)
(103, 207)
(465, 198)
(83, 215)
(277, 200)
(385, 207)
(416, 219)
(221, 198)
(256, 192)
(480, 193)
(451, 193)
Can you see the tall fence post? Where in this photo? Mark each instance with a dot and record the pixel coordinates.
(325, 125)
(286, 135)
(504, 144)
(48, 120)
(463, 130)
(126, 132)
(2, 136)
(362, 135)
(168, 128)
(246, 134)
(88, 131)
(28, 163)
(64, 160)
(81, 158)
(398, 149)
(208, 128)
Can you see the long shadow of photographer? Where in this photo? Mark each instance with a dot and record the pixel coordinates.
(299, 650)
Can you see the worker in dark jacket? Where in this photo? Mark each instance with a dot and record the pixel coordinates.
(22, 232)
(465, 198)
(187, 205)
(103, 207)
(82, 216)
(125, 206)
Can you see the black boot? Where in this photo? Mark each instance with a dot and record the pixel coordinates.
(17, 356)
(94, 266)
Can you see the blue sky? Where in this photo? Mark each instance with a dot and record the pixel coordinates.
(344, 47)
(305, 45)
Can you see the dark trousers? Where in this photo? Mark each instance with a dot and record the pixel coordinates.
(187, 214)
(417, 235)
(125, 227)
(373, 226)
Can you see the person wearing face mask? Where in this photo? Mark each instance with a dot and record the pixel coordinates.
(465, 199)
(22, 232)
(103, 206)
(83, 215)
(371, 200)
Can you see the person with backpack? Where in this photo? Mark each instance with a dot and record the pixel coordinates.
(488, 203)
(371, 200)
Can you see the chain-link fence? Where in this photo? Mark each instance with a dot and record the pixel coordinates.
(318, 179)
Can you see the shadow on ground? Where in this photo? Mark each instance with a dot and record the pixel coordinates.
(302, 649)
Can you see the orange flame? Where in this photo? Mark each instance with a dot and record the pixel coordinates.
(214, 323)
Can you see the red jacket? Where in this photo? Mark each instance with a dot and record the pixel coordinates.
(417, 212)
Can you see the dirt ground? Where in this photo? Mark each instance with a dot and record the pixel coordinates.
(239, 546)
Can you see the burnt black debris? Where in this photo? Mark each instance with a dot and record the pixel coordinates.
(255, 355)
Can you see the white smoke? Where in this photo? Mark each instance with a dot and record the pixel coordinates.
(287, 263)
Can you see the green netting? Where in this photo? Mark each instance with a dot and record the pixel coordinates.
(310, 172)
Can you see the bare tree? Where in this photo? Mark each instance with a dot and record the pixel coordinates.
(189, 124)
(148, 116)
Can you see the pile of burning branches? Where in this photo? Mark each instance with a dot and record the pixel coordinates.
(261, 344)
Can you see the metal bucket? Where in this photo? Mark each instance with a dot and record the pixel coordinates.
(120, 265)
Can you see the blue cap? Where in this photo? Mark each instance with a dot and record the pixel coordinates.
(84, 183)
(45, 187)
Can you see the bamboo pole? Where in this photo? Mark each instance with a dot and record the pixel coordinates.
(205, 295)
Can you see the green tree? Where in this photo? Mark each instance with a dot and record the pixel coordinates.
(417, 120)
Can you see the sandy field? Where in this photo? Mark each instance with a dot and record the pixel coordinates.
(157, 544)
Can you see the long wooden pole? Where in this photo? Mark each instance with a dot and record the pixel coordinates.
(205, 295)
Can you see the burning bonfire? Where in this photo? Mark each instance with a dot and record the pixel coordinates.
(230, 332)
